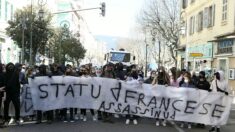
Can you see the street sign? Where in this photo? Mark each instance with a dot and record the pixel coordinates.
(196, 54)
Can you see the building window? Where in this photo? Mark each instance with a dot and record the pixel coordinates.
(211, 16)
(184, 4)
(191, 25)
(225, 47)
(200, 21)
(12, 12)
(6, 10)
(225, 10)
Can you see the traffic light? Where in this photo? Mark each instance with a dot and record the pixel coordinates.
(102, 8)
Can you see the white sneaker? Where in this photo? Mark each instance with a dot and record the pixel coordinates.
(84, 118)
(11, 121)
(135, 122)
(94, 118)
(65, 121)
(21, 121)
(189, 126)
(157, 123)
(72, 121)
(164, 123)
(76, 117)
(81, 117)
(182, 125)
(127, 121)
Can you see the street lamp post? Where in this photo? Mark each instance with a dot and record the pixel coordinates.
(23, 24)
(41, 3)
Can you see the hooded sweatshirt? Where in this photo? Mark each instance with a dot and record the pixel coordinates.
(12, 82)
(222, 83)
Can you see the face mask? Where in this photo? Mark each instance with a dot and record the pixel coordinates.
(23, 70)
(160, 71)
(98, 73)
(170, 74)
(186, 80)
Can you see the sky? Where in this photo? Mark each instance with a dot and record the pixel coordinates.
(121, 16)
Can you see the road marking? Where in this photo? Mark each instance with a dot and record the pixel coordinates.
(177, 127)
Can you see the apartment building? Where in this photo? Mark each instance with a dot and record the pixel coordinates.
(208, 35)
(9, 51)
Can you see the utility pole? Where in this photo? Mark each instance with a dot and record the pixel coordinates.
(23, 47)
(31, 36)
(159, 53)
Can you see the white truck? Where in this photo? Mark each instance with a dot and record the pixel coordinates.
(116, 56)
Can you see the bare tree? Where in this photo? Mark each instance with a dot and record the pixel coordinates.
(163, 17)
(90, 57)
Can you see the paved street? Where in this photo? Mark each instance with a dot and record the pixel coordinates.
(145, 125)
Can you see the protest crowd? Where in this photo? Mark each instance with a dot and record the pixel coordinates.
(14, 76)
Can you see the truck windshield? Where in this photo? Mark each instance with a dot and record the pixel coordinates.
(120, 57)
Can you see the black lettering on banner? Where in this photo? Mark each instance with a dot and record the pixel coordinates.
(43, 91)
(116, 91)
(141, 99)
(152, 111)
(27, 93)
(136, 110)
(128, 92)
(80, 87)
(102, 106)
(126, 109)
(69, 90)
(145, 111)
(119, 108)
(153, 101)
(92, 92)
(165, 104)
(173, 105)
(206, 109)
(157, 114)
(110, 106)
(217, 110)
(57, 88)
(188, 107)
(173, 116)
(166, 115)
(27, 109)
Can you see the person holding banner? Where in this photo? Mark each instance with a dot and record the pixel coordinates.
(43, 72)
(133, 78)
(12, 88)
(85, 72)
(219, 84)
(162, 79)
(56, 70)
(68, 72)
(2, 85)
(187, 83)
(202, 84)
(108, 72)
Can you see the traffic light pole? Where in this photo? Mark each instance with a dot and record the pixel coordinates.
(76, 10)
(102, 8)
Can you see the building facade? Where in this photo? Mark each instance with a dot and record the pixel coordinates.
(9, 51)
(208, 35)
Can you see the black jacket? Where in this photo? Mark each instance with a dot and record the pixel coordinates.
(149, 80)
(203, 85)
(2, 83)
(12, 82)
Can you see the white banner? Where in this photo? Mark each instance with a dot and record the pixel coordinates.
(145, 100)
